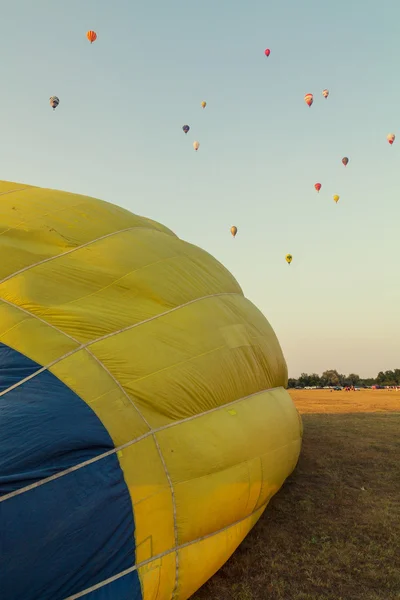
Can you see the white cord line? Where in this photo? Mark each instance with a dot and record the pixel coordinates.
(99, 339)
(170, 484)
(162, 554)
(85, 245)
(131, 443)
(86, 347)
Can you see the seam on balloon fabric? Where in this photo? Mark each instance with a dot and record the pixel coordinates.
(86, 347)
(116, 281)
(85, 245)
(96, 340)
(167, 474)
(18, 190)
(130, 443)
(162, 554)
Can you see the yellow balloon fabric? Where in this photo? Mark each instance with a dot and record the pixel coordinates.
(162, 355)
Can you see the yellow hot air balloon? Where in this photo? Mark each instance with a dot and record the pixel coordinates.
(289, 258)
(390, 138)
(196, 145)
(148, 396)
(233, 230)
(336, 198)
(204, 104)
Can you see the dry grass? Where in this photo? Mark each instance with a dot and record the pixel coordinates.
(333, 530)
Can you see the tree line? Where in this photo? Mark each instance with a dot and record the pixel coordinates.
(334, 378)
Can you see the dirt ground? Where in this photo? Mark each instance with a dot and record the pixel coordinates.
(333, 530)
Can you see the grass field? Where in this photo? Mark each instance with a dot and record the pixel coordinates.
(333, 530)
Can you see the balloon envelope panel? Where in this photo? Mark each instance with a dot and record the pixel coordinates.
(145, 423)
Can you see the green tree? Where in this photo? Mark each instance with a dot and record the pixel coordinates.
(353, 379)
(331, 377)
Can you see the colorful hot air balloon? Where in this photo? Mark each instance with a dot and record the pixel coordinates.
(186, 128)
(140, 421)
(233, 230)
(318, 186)
(204, 104)
(289, 258)
(309, 99)
(390, 138)
(325, 93)
(54, 102)
(336, 198)
(196, 145)
(267, 52)
(345, 160)
(91, 36)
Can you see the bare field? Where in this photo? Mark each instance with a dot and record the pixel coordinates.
(364, 401)
(333, 531)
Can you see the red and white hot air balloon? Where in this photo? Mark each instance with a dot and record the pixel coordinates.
(390, 138)
(318, 186)
(267, 52)
(309, 99)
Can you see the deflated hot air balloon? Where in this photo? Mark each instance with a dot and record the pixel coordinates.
(345, 161)
(267, 52)
(288, 258)
(233, 230)
(91, 36)
(145, 423)
(325, 93)
(196, 145)
(186, 128)
(54, 102)
(203, 104)
(309, 99)
(318, 186)
(336, 198)
(390, 138)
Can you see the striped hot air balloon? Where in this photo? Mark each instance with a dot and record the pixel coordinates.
(91, 36)
(309, 99)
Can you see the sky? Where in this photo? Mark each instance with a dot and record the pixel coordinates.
(117, 135)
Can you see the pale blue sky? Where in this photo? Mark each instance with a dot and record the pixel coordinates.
(117, 135)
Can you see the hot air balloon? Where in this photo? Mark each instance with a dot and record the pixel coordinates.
(318, 186)
(325, 93)
(233, 230)
(196, 145)
(204, 104)
(309, 99)
(136, 421)
(390, 138)
(289, 258)
(345, 160)
(267, 52)
(91, 36)
(186, 128)
(54, 102)
(336, 198)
